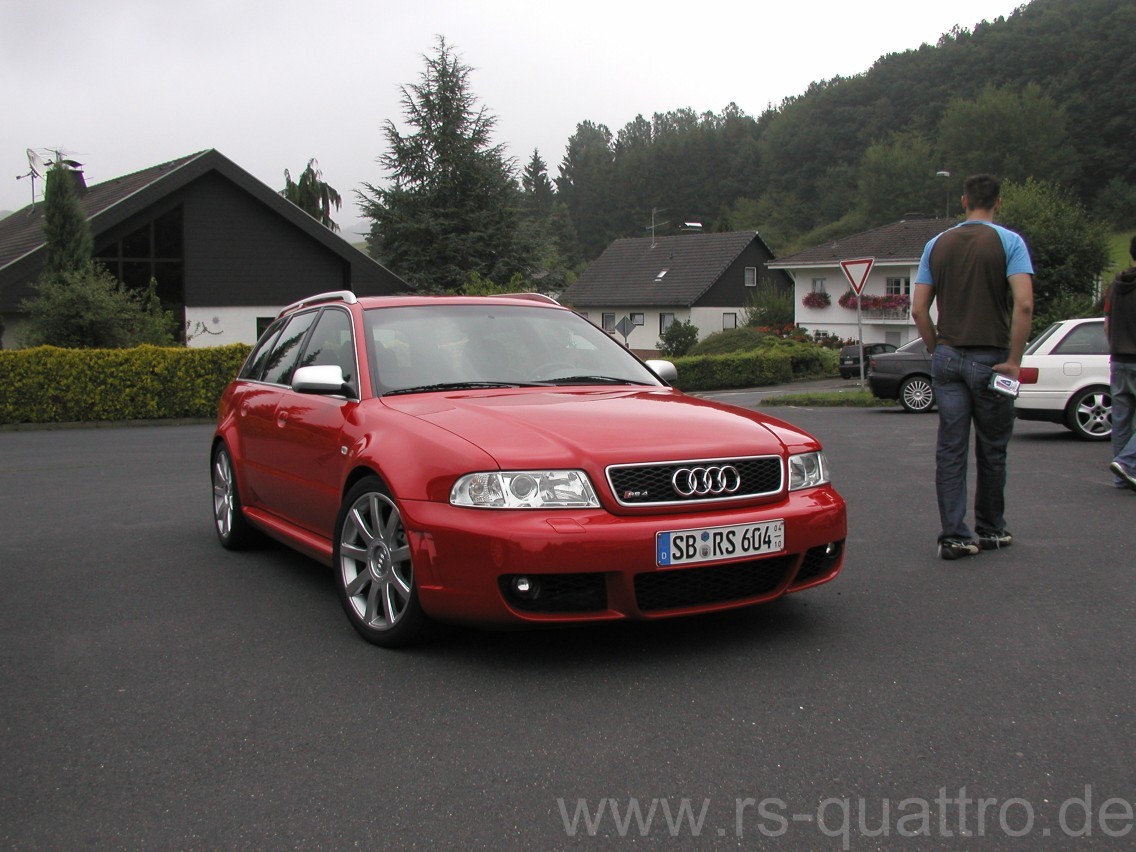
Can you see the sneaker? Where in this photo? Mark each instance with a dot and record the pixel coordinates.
(953, 548)
(995, 541)
(1124, 473)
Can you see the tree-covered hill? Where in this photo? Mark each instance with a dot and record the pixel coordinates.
(1047, 93)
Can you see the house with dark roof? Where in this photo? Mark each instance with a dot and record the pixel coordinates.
(823, 293)
(226, 250)
(638, 287)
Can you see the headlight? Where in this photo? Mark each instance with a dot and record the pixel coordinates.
(525, 489)
(807, 470)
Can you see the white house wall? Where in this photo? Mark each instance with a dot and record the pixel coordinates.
(222, 326)
(646, 336)
(840, 322)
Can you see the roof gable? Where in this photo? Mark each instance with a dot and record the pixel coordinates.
(673, 270)
(899, 242)
(111, 202)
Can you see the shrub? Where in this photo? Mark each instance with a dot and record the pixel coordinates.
(89, 309)
(732, 340)
(678, 339)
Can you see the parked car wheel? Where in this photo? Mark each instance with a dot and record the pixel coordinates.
(915, 394)
(373, 569)
(1090, 414)
(228, 519)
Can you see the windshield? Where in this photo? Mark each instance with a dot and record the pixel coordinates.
(421, 348)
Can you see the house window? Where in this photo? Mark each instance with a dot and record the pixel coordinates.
(608, 322)
(818, 285)
(751, 276)
(899, 286)
(638, 319)
(729, 321)
(153, 251)
(665, 322)
(662, 274)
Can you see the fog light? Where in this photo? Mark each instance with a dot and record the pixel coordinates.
(525, 587)
(830, 548)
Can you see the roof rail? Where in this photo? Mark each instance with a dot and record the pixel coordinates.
(534, 297)
(334, 296)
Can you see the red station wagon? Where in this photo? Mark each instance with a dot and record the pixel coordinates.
(502, 461)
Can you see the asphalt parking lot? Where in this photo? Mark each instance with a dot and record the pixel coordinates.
(160, 692)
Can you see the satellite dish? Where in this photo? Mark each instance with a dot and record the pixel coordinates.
(35, 164)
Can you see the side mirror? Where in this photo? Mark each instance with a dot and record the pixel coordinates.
(320, 379)
(665, 370)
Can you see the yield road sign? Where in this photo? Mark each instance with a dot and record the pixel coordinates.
(856, 271)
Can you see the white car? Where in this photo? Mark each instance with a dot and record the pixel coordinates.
(1064, 379)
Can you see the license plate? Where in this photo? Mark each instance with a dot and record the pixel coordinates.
(688, 547)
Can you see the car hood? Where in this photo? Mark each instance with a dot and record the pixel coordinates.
(529, 427)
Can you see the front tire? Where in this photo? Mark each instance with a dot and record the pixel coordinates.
(916, 394)
(374, 573)
(1089, 414)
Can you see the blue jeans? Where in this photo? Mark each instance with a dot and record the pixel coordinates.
(961, 379)
(1123, 381)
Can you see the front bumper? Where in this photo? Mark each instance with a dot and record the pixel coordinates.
(583, 566)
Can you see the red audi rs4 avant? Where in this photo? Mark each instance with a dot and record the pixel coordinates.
(501, 460)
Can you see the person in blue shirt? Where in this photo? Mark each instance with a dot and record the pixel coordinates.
(980, 276)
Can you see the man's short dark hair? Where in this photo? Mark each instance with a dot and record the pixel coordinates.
(982, 191)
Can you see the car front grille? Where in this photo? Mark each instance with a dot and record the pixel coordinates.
(676, 589)
(713, 480)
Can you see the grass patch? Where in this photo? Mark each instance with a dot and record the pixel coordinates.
(831, 399)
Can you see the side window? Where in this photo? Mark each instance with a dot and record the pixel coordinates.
(1086, 339)
(331, 342)
(254, 366)
(286, 351)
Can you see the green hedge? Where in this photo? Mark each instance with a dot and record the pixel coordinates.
(51, 385)
(776, 363)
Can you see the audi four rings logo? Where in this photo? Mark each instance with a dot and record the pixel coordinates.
(701, 481)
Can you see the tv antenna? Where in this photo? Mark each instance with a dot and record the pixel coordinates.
(36, 169)
(655, 211)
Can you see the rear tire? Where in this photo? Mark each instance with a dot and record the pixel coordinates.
(1089, 414)
(916, 394)
(233, 531)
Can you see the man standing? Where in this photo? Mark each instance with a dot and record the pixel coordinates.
(1120, 326)
(981, 276)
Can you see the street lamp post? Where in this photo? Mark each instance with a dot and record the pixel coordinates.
(947, 175)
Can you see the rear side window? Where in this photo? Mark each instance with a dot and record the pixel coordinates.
(1086, 339)
(254, 366)
(285, 351)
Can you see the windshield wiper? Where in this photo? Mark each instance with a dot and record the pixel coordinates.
(445, 386)
(591, 380)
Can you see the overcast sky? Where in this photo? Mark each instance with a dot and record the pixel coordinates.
(121, 85)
